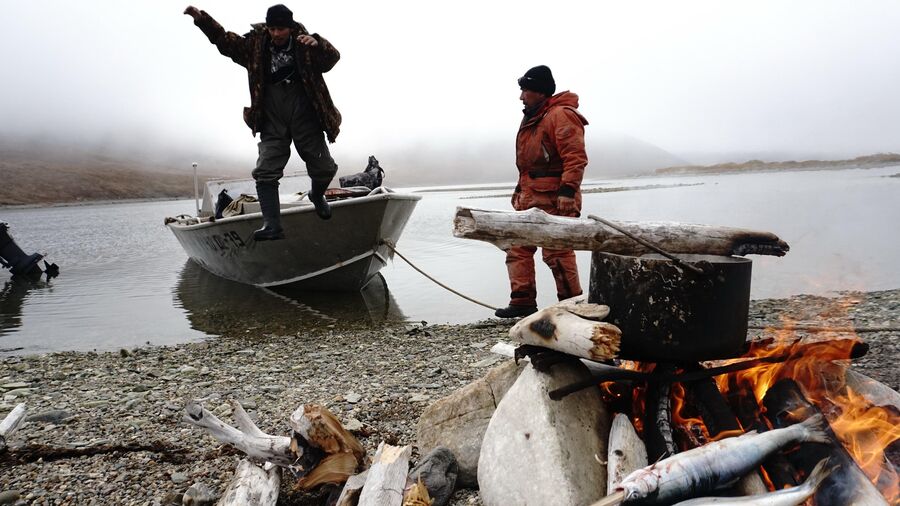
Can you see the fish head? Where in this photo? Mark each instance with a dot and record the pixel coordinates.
(643, 485)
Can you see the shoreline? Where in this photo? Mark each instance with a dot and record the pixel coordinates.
(118, 414)
(698, 170)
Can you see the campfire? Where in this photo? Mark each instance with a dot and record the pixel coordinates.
(679, 408)
(756, 399)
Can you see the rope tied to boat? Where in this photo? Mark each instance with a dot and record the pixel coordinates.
(470, 299)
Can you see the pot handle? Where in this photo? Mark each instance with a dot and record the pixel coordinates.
(679, 262)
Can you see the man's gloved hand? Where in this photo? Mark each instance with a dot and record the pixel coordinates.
(192, 12)
(307, 40)
(566, 206)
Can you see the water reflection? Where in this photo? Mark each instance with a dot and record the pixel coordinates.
(218, 306)
(12, 298)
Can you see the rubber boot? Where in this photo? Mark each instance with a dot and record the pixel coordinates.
(267, 193)
(317, 197)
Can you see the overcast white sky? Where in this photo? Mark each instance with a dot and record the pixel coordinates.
(800, 78)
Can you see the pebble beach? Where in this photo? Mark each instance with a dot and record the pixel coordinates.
(106, 428)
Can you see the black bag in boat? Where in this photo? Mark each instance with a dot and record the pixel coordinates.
(370, 178)
(222, 202)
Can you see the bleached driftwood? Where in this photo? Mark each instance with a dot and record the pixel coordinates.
(387, 476)
(626, 451)
(252, 485)
(350, 493)
(11, 424)
(252, 441)
(344, 455)
(535, 227)
(559, 329)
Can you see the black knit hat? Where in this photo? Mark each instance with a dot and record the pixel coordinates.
(281, 16)
(538, 79)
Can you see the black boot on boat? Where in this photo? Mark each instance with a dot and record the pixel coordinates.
(317, 197)
(267, 193)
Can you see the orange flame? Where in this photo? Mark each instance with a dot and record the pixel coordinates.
(819, 367)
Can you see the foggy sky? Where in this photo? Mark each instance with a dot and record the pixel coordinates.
(704, 80)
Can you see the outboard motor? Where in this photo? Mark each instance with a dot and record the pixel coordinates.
(21, 264)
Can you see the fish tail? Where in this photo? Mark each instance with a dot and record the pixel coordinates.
(816, 429)
(818, 475)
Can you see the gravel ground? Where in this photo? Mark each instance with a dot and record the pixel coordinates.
(111, 430)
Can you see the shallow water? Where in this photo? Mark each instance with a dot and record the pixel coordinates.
(126, 281)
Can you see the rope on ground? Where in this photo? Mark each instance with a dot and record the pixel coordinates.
(470, 299)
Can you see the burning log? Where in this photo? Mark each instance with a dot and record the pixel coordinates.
(534, 227)
(780, 472)
(721, 420)
(658, 435)
(252, 485)
(626, 451)
(785, 406)
(11, 423)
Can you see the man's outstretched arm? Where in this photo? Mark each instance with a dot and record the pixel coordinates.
(229, 44)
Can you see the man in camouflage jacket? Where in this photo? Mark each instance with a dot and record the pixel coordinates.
(289, 103)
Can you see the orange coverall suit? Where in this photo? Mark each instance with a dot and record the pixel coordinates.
(551, 159)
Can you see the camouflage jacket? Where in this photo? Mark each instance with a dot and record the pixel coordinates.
(251, 51)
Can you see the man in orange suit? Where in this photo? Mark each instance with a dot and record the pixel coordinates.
(551, 158)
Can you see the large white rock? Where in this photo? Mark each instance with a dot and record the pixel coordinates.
(541, 452)
(459, 420)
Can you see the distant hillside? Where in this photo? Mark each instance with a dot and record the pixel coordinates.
(32, 175)
(861, 162)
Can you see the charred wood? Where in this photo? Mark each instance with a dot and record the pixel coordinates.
(786, 405)
(719, 419)
(779, 471)
(658, 434)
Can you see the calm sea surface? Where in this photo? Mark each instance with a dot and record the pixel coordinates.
(125, 281)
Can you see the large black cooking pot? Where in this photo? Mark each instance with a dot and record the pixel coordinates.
(668, 313)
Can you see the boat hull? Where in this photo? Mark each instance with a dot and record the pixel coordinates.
(340, 254)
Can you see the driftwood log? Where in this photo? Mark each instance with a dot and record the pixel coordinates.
(352, 488)
(559, 328)
(506, 229)
(625, 452)
(11, 424)
(256, 444)
(252, 485)
(386, 477)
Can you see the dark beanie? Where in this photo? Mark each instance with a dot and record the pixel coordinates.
(279, 15)
(538, 79)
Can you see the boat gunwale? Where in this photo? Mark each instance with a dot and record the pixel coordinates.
(296, 210)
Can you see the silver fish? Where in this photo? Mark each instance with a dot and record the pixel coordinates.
(786, 497)
(715, 465)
